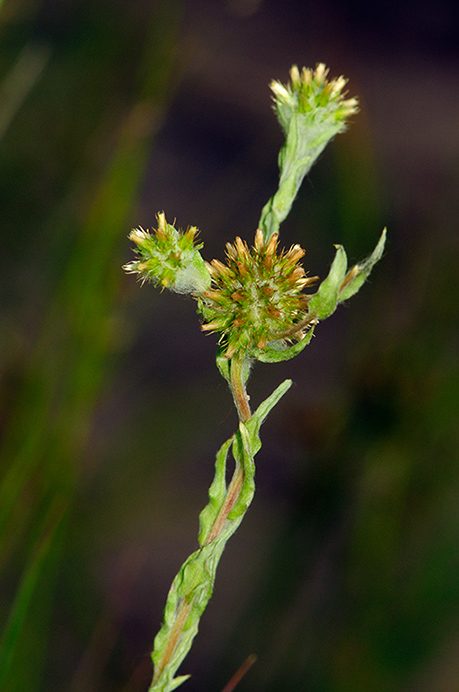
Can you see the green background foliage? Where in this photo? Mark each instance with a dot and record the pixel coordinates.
(344, 573)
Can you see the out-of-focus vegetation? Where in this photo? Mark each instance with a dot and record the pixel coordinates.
(81, 101)
(98, 501)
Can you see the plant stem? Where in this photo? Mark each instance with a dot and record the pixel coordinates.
(240, 395)
(180, 620)
(241, 399)
(229, 502)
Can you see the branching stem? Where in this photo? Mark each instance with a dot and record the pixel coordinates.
(252, 302)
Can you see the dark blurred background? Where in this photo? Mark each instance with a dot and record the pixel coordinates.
(344, 575)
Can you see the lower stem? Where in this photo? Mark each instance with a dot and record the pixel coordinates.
(180, 620)
(183, 611)
(230, 500)
(240, 396)
(233, 490)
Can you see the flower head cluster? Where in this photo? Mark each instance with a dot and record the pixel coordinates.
(256, 297)
(309, 91)
(169, 258)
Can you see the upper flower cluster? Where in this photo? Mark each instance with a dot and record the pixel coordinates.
(256, 297)
(255, 302)
(311, 111)
(309, 91)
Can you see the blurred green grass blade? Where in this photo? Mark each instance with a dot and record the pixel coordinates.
(44, 549)
(65, 374)
(19, 81)
(48, 429)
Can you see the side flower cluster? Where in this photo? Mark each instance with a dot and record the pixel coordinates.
(257, 296)
(169, 259)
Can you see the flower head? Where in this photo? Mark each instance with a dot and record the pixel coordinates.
(256, 298)
(169, 258)
(309, 91)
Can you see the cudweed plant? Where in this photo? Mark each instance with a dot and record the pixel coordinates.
(259, 302)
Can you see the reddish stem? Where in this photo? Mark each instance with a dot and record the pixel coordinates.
(241, 398)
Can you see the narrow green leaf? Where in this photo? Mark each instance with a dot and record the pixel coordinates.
(307, 137)
(217, 493)
(324, 302)
(193, 584)
(254, 424)
(359, 273)
(176, 682)
(28, 589)
(246, 445)
(244, 453)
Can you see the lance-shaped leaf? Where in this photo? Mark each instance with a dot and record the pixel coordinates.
(217, 493)
(246, 445)
(358, 274)
(324, 302)
(306, 139)
(253, 425)
(340, 284)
